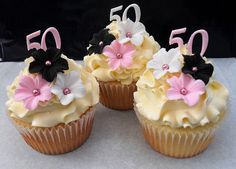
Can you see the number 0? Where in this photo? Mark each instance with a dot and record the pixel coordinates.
(205, 39)
(56, 36)
(137, 12)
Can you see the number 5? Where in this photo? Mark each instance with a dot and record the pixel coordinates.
(177, 40)
(113, 10)
(180, 42)
(33, 45)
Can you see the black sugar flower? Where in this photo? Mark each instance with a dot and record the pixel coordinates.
(196, 66)
(99, 41)
(48, 63)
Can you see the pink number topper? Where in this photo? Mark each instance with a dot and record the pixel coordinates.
(180, 42)
(36, 45)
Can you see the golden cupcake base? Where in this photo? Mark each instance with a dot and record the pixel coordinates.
(117, 96)
(176, 142)
(60, 139)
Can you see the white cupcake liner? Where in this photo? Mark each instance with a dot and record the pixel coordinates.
(117, 96)
(179, 143)
(59, 139)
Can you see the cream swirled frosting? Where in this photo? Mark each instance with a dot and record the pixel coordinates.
(46, 95)
(120, 52)
(178, 90)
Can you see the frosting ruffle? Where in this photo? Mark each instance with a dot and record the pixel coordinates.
(151, 101)
(97, 64)
(52, 113)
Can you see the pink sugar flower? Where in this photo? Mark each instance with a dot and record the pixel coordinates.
(120, 55)
(31, 90)
(185, 87)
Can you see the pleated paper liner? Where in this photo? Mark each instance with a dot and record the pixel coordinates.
(117, 96)
(60, 139)
(178, 143)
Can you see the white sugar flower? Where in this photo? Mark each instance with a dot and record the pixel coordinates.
(68, 87)
(131, 31)
(164, 62)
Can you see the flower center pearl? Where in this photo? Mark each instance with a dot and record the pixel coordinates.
(48, 63)
(36, 92)
(183, 91)
(165, 67)
(66, 91)
(119, 56)
(129, 35)
(194, 69)
(101, 43)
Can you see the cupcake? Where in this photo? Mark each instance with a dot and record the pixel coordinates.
(51, 102)
(117, 57)
(178, 103)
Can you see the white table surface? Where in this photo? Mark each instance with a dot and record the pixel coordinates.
(116, 140)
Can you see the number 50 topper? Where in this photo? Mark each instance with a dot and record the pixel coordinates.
(36, 45)
(179, 41)
(124, 16)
